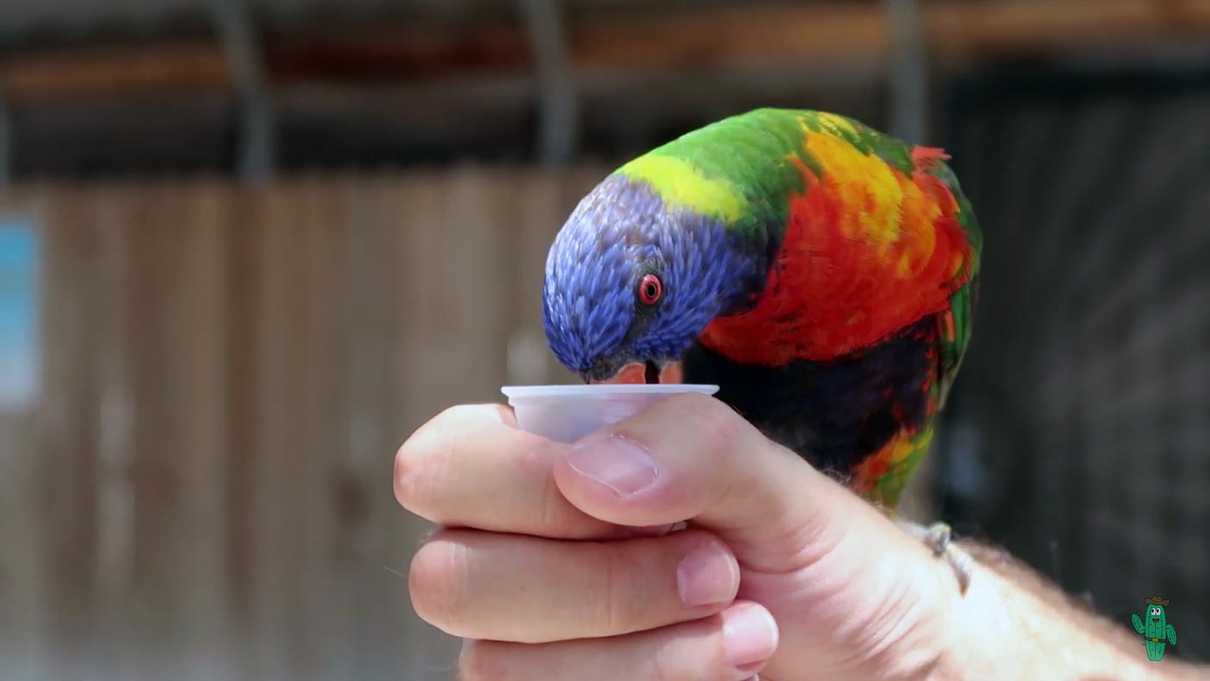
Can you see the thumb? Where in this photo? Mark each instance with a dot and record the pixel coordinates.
(854, 592)
(691, 458)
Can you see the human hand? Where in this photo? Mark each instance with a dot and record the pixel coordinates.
(555, 561)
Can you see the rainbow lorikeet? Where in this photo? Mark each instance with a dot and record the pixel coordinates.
(820, 272)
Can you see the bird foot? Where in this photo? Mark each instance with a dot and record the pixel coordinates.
(939, 538)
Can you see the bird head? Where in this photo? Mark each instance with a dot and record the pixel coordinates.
(631, 283)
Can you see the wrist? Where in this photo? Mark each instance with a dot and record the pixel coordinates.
(986, 633)
(1003, 629)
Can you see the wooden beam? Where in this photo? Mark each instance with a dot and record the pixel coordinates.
(115, 71)
(725, 37)
(1034, 26)
(704, 40)
(387, 54)
(698, 41)
(391, 53)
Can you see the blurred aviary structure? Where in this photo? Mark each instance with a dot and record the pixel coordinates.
(1080, 437)
(277, 235)
(227, 372)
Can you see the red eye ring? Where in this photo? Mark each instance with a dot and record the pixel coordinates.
(651, 289)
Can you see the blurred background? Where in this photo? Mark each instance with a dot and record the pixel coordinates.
(247, 246)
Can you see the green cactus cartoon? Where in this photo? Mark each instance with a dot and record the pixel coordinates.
(1154, 627)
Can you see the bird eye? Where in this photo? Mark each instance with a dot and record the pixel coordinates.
(651, 289)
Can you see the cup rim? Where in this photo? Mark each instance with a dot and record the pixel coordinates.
(605, 390)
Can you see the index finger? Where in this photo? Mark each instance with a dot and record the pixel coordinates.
(471, 466)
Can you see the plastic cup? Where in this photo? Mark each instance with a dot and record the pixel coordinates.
(569, 412)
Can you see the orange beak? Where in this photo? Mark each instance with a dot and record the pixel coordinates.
(646, 372)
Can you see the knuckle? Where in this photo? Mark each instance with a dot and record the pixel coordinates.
(438, 585)
(610, 615)
(627, 599)
(615, 608)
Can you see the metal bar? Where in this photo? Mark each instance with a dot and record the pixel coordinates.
(6, 142)
(907, 74)
(556, 86)
(233, 21)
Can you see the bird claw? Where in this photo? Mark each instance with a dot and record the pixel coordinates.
(939, 538)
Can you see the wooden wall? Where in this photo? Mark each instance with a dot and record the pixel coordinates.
(204, 489)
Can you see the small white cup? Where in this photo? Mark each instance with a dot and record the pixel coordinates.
(569, 412)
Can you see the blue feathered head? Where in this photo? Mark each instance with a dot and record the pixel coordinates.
(628, 280)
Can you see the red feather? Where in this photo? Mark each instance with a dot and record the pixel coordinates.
(867, 251)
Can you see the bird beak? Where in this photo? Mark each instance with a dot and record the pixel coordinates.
(647, 372)
(672, 372)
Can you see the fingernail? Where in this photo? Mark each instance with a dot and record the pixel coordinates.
(505, 415)
(707, 575)
(615, 462)
(749, 635)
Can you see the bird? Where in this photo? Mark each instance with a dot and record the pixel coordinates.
(823, 274)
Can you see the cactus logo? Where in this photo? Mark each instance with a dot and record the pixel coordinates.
(1154, 627)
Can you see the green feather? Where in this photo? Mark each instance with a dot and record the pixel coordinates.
(747, 160)
(744, 158)
(962, 303)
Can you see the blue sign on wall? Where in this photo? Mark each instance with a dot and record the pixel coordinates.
(18, 312)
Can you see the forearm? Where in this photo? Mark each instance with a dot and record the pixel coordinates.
(1012, 624)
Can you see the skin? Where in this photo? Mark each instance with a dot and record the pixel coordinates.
(659, 571)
